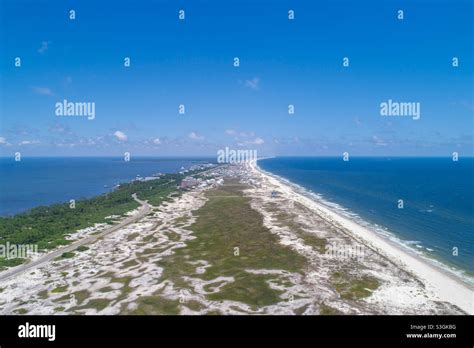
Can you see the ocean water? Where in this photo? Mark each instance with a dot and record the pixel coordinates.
(438, 197)
(41, 181)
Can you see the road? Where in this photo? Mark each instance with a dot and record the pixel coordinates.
(144, 210)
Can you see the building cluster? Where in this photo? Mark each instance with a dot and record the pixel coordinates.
(190, 182)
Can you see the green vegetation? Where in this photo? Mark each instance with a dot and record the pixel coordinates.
(194, 305)
(20, 311)
(250, 289)
(328, 310)
(130, 263)
(319, 244)
(47, 226)
(5, 263)
(300, 310)
(59, 289)
(182, 220)
(353, 287)
(310, 239)
(225, 222)
(106, 289)
(132, 236)
(66, 255)
(155, 305)
(82, 248)
(95, 303)
(43, 294)
(81, 296)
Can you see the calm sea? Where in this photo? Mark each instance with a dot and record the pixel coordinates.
(42, 181)
(438, 212)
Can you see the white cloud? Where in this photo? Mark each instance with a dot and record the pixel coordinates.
(253, 83)
(44, 47)
(42, 91)
(28, 142)
(4, 142)
(157, 141)
(378, 141)
(258, 141)
(195, 136)
(247, 134)
(245, 138)
(60, 128)
(121, 136)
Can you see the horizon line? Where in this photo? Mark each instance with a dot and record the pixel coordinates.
(212, 156)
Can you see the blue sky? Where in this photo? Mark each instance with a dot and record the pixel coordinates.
(282, 62)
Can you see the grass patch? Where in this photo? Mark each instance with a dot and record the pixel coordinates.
(43, 294)
(253, 290)
(155, 305)
(328, 310)
(352, 287)
(106, 289)
(301, 310)
(149, 238)
(182, 220)
(125, 289)
(194, 305)
(95, 303)
(66, 255)
(59, 289)
(130, 263)
(81, 296)
(20, 311)
(288, 220)
(5, 263)
(314, 241)
(173, 236)
(132, 236)
(227, 221)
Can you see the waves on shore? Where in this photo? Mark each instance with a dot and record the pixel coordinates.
(412, 246)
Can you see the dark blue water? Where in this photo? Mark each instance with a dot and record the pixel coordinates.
(438, 212)
(42, 181)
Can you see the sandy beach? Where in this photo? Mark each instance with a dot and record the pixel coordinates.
(441, 285)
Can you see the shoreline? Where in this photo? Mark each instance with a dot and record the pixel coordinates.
(453, 270)
(444, 285)
(105, 184)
